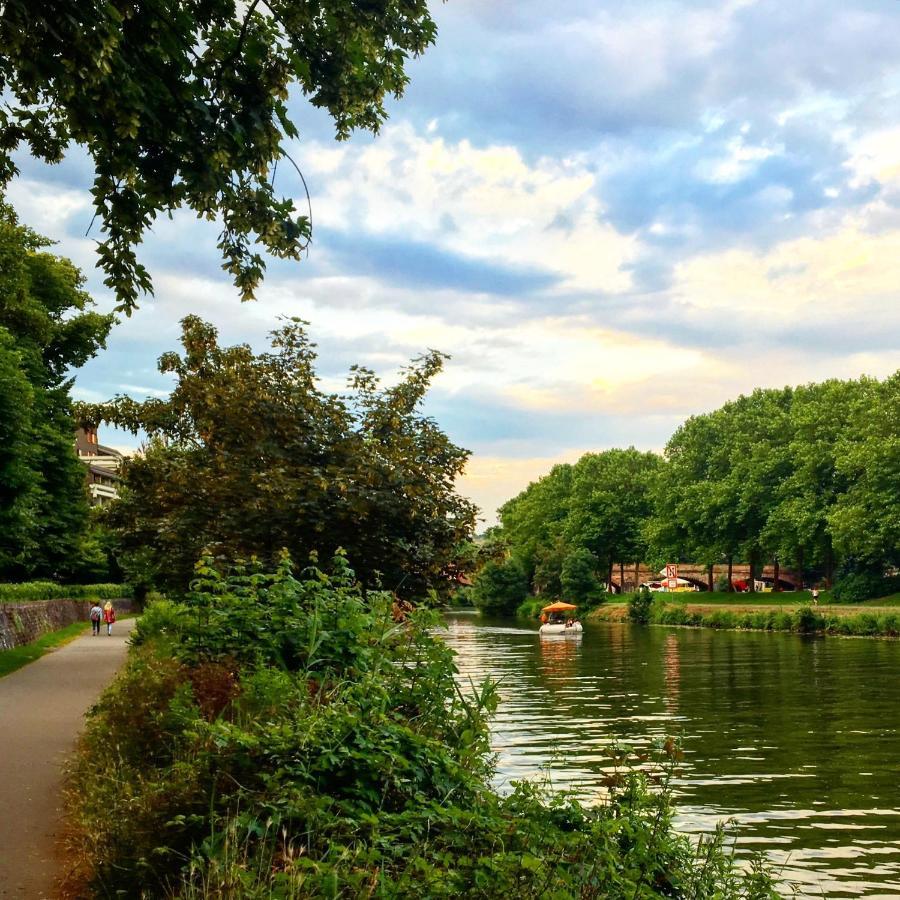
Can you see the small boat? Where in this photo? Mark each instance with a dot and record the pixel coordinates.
(558, 618)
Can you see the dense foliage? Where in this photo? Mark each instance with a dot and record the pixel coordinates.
(289, 738)
(47, 328)
(500, 587)
(248, 456)
(643, 608)
(187, 105)
(806, 477)
(48, 590)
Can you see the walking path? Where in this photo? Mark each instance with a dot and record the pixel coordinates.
(42, 707)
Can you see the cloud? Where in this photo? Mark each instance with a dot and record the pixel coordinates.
(612, 217)
(419, 264)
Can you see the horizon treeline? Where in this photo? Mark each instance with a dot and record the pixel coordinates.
(805, 477)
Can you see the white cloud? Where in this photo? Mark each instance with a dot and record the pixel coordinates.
(408, 186)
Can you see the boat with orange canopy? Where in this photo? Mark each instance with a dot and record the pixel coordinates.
(559, 618)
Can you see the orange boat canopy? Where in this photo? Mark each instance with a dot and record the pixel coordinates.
(559, 607)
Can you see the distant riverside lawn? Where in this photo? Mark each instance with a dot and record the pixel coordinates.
(767, 612)
(292, 737)
(49, 590)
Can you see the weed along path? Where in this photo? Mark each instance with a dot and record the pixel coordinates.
(41, 711)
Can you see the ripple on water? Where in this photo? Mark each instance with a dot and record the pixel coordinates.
(791, 739)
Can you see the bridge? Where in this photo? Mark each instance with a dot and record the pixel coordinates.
(630, 576)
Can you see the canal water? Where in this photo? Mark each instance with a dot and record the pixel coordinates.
(795, 739)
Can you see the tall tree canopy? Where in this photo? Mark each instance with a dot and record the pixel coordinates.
(807, 476)
(864, 519)
(46, 329)
(248, 456)
(186, 104)
(533, 520)
(611, 500)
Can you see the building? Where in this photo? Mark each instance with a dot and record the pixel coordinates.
(102, 465)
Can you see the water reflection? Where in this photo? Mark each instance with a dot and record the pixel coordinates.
(794, 739)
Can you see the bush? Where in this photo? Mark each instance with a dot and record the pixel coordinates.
(639, 606)
(500, 587)
(296, 741)
(855, 587)
(806, 621)
(578, 579)
(531, 607)
(161, 618)
(461, 596)
(50, 590)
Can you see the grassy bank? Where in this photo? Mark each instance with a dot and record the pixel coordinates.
(881, 620)
(15, 658)
(702, 600)
(289, 738)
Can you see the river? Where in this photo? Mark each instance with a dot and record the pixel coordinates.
(793, 738)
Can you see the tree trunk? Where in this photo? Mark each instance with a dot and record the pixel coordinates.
(621, 578)
(710, 578)
(751, 581)
(799, 568)
(730, 587)
(637, 577)
(609, 584)
(776, 587)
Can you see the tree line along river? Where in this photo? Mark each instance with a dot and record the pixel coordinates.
(793, 738)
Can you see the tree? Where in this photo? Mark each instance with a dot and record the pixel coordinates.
(824, 417)
(691, 520)
(865, 518)
(549, 560)
(532, 520)
(46, 329)
(724, 476)
(187, 105)
(248, 456)
(18, 476)
(500, 587)
(579, 576)
(756, 438)
(611, 502)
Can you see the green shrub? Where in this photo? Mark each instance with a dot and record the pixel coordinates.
(500, 587)
(49, 590)
(461, 596)
(160, 618)
(806, 620)
(296, 741)
(579, 580)
(855, 587)
(531, 608)
(639, 606)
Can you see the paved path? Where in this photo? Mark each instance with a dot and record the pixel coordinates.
(41, 710)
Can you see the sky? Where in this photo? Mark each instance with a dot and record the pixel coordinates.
(611, 215)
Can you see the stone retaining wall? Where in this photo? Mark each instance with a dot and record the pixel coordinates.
(21, 623)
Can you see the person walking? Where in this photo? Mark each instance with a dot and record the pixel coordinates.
(815, 596)
(96, 615)
(109, 616)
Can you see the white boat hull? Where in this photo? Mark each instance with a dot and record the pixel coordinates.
(574, 628)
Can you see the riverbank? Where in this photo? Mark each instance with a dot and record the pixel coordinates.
(864, 620)
(266, 761)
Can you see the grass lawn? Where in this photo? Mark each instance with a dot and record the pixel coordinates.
(783, 598)
(13, 659)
